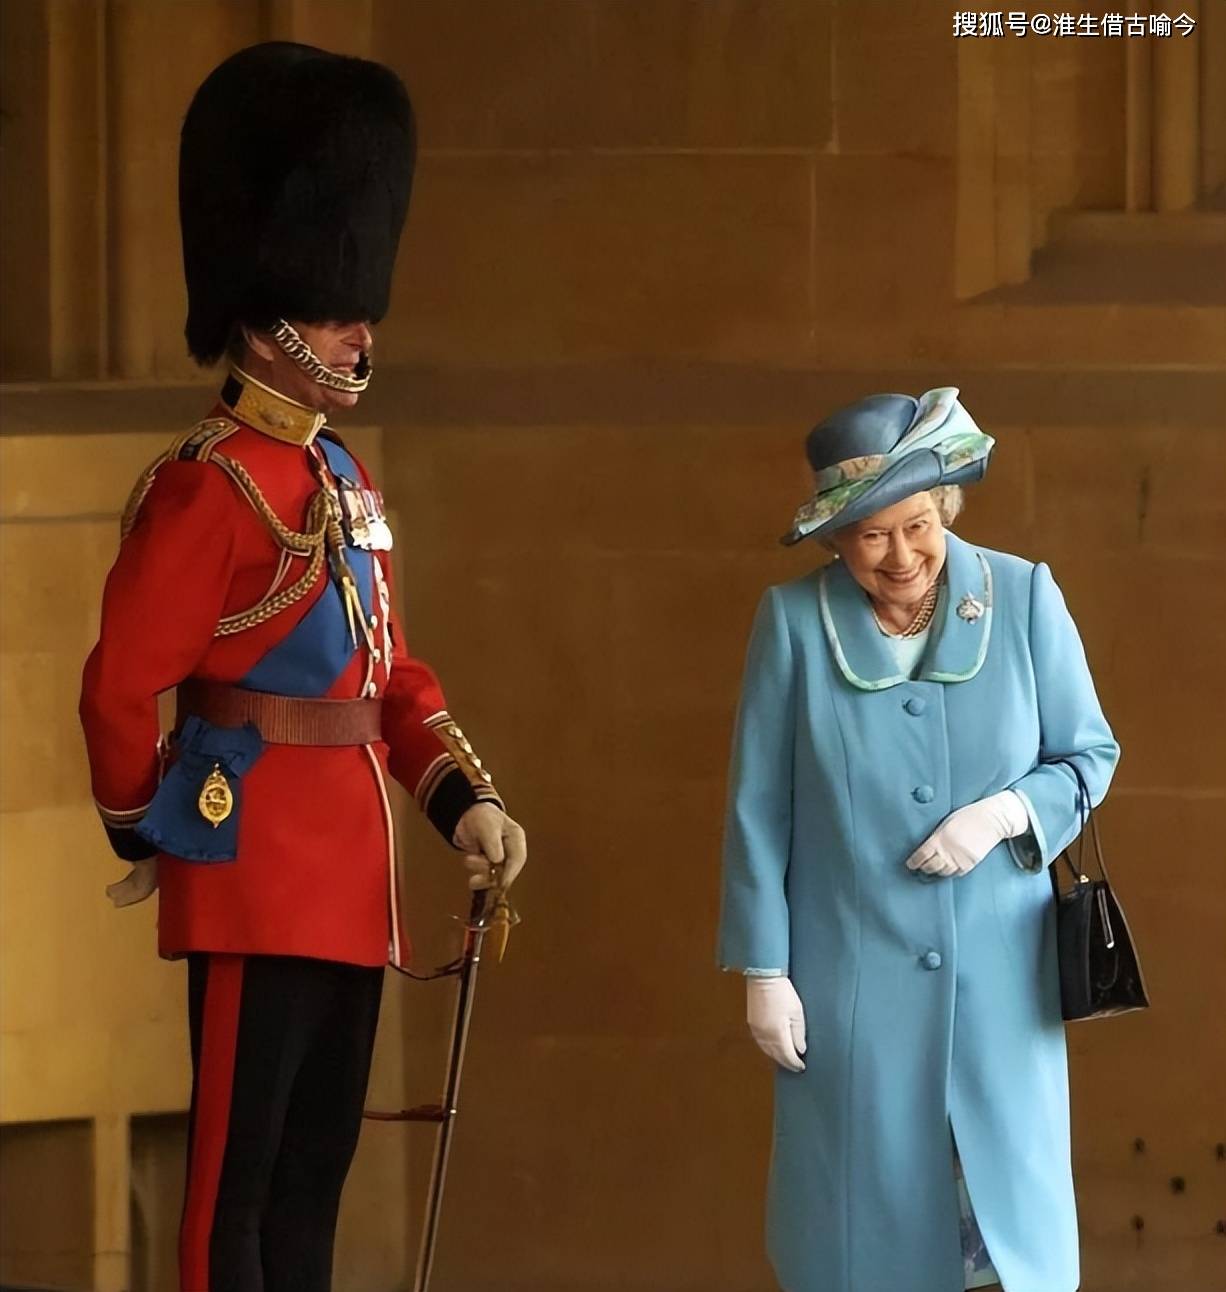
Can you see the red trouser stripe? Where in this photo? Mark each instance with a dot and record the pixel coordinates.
(214, 1083)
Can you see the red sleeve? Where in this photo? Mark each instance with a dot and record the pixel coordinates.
(163, 598)
(427, 752)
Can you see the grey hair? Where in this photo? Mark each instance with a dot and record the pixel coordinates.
(949, 500)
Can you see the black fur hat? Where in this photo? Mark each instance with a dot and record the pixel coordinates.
(295, 168)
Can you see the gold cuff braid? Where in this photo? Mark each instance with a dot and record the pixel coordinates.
(457, 745)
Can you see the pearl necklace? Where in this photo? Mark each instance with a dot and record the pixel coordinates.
(923, 616)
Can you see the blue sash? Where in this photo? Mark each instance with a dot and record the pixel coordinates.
(317, 651)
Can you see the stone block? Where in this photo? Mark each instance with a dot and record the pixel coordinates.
(1155, 661)
(602, 488)
(1077, 95)
(51, 476)
(42, 1244)
(53, 574)
(696, 74)
(895, 82)
(884, 248)
(492, 76)
(544, 259)
(999, 511)
(147, 297)
(57, 864)
(1185, 494)
(600, 1176)
(1109, 516)
(41, 749)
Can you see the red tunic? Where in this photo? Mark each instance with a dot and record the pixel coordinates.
(314, 873)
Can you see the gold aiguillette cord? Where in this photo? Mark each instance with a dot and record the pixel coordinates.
(347, 584)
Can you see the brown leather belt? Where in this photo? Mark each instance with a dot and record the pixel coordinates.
(282, 719)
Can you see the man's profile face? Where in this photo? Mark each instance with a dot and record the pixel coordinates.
(341, 346)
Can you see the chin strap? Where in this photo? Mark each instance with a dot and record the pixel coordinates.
(292, 345)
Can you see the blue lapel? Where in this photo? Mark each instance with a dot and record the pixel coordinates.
(957, 645)
(959, 641)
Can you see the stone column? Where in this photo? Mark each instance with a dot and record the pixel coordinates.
(112, 1199)
(342, 26)
(1177, 117)
(1139, 126)
(1212, 35)
(77, 187)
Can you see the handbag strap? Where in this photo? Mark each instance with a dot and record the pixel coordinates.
(1085, 812)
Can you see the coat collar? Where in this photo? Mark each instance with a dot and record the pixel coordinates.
(960, 632)
(268, 411)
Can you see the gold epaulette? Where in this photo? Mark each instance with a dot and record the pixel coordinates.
(200, 445)
(196, 445)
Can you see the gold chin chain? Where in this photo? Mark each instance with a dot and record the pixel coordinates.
(293, 345)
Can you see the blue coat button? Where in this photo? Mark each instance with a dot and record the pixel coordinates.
(932, 960)
(915, 706)
(923, 793)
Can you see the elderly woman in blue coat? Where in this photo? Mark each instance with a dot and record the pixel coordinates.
(900, 781)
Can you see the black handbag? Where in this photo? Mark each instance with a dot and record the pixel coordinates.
(1100, 973)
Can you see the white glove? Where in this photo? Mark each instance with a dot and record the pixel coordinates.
(966, 836)
(140, 882)
(776, 1019)
(496, 846)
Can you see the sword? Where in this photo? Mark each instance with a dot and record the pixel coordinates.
(489, 910)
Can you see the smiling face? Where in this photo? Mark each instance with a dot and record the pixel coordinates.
(896, 553)
(338, 345)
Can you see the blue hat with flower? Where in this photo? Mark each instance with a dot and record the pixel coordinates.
(883, 449)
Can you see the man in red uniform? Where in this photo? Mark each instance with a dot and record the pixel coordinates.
(254, 576)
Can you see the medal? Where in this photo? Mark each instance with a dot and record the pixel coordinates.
(353, 510)
(216, 800)
(365, 523)
(380, 533)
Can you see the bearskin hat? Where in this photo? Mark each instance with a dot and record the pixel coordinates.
(295, 169)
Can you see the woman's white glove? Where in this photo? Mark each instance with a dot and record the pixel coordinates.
(140, 882)
(777, 1019)
(966, 836)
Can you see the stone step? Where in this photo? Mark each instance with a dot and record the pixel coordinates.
(1172, 261)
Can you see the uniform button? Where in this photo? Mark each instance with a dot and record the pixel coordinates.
(915, 706)
(923, 794)
(932, 960)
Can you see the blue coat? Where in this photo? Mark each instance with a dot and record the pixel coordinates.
(931, 1004)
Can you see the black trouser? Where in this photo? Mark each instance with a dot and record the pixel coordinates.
(281, 1052)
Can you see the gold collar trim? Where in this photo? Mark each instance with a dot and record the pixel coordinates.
(268, 411)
